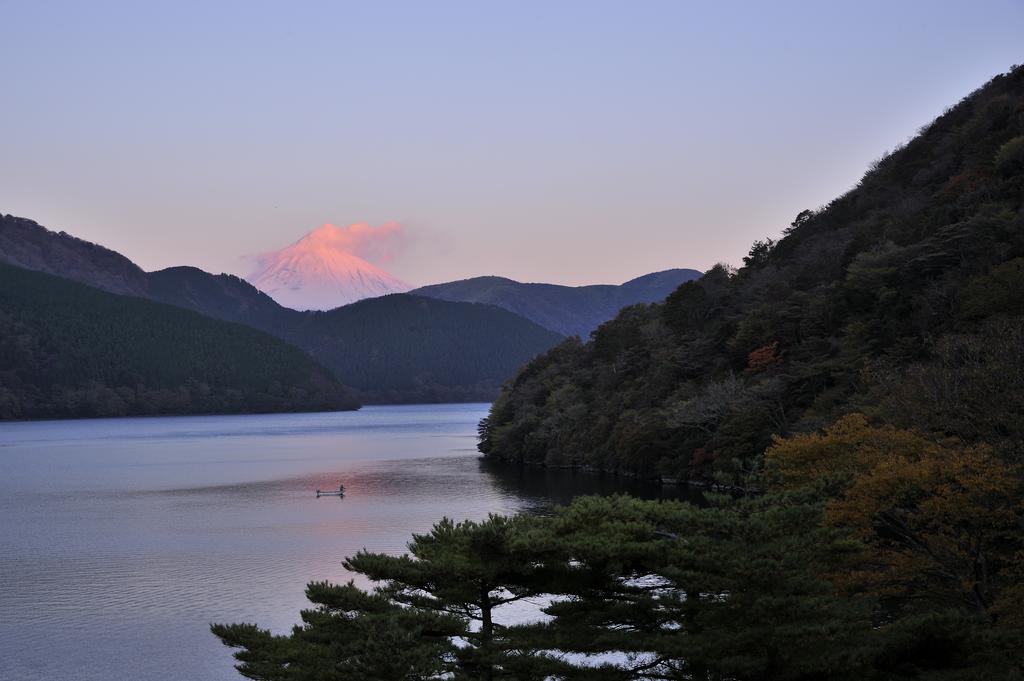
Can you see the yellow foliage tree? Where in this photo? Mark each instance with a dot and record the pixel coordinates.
(842, 451)
(942, 522)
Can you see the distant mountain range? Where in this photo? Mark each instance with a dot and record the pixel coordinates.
(568, 310)
(317, 273)
(450, 342)
(397, 348)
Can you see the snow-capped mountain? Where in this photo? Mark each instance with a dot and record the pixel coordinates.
(317, 273)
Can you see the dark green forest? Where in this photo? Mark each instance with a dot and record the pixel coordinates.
(901, 299)
(856, 387)
(68, 350)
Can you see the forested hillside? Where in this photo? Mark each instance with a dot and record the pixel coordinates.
(69, 350)
(902, 299)
(568, 310)
(406, 348)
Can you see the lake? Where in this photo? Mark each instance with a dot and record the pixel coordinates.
(121, 540)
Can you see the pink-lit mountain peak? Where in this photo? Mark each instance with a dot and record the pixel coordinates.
(321, 271)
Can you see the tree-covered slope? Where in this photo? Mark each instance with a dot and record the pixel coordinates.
(902, 298)
(568, 310)
(406, 348)
(69, 350)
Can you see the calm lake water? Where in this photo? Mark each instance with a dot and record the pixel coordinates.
(121, 540)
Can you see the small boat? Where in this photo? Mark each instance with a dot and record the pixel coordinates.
(340, 492)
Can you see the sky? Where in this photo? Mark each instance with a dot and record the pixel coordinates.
(567, 142)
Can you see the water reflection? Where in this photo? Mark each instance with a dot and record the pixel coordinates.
(539, 488)
(122, 539)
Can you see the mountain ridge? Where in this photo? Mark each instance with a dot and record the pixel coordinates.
(64, 255)
(568, 310)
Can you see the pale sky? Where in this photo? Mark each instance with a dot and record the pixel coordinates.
(570, 142)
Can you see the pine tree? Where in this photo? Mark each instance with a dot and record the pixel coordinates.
(728, 592)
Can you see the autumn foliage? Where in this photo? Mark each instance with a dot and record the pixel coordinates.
(942, 522)
(763, 358)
